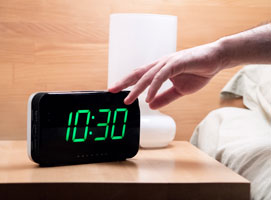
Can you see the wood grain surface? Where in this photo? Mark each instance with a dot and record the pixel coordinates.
(179, 171)
(63, 45)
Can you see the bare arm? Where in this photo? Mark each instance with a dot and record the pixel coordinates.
(249, 47)
(191, 69)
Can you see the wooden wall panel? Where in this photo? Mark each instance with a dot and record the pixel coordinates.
(63, 45)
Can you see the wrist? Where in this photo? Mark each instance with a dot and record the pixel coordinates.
(227, 52)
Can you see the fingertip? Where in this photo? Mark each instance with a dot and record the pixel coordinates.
(113, 90)
(147, 99)
(150, 97)
(165, 98)
(153, 106)
(129, 99)
(126, 101)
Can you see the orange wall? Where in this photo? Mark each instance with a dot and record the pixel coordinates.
(63, 45)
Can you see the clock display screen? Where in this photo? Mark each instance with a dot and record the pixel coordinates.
(84, 127)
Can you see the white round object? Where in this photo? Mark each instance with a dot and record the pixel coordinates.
(156, 130)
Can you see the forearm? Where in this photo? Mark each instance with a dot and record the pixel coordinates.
(249, 47)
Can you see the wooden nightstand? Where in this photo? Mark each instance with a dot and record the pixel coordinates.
(180, 171)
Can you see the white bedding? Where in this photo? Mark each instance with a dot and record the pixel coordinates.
(241, 138)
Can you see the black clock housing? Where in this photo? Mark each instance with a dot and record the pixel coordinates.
(82, 127)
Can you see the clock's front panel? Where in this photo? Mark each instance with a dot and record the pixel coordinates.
(87, 127)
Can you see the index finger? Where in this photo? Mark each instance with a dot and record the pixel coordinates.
(130, 79)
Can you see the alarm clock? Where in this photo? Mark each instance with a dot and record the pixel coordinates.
(81, 127)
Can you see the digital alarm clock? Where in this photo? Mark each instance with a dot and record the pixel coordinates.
(81, 127)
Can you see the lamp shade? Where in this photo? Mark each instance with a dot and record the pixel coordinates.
(136, 40)
(139, 39)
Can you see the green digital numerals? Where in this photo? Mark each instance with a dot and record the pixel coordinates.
(74, 139)
(104, 124)
(108, 111)
(114, 122)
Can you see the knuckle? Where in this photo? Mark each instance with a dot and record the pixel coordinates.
(167, 57)
(142, 84)
(158, 77)
(136, 70)
(172, 59)
(172, 71)
(147, 79)
(137, 74)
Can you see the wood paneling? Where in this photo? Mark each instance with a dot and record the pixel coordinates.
(63, 45)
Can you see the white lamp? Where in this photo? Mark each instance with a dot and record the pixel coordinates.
(136, 40)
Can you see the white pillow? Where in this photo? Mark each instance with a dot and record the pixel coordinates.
(240, 139)
(253, 83)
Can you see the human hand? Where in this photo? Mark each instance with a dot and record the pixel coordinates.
(189, 70)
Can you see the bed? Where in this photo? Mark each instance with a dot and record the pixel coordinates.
(240, 138)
